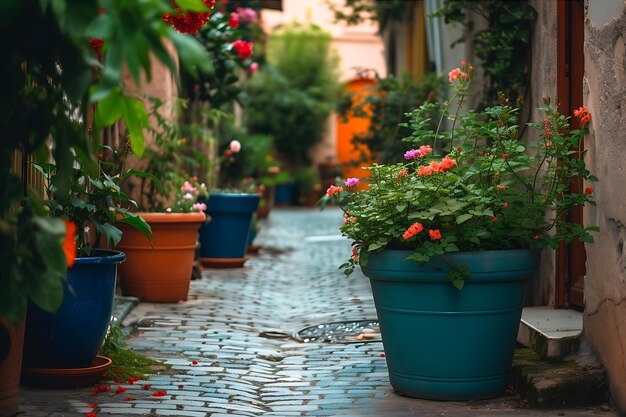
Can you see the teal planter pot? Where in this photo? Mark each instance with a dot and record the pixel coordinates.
(71, 337)
(223, 239)
(442, 343)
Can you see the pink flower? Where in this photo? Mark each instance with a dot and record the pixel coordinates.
(351, 182)
(233, 22)
(355, 254)
(253, 67)
(412, 154)
(199, 206)
(247, 15)
(235, 146)
(243, 48)
(456, 73)
(333, 189)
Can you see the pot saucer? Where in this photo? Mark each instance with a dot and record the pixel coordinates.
(223, 262)
(66, 377)
(254, 249)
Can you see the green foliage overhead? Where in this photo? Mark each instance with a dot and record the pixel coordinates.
(503, 47)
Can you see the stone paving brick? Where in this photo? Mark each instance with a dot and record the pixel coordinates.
(291, 284)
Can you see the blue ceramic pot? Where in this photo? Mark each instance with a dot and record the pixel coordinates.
(285, 194)
(72, 336)
(226, 234)
(442, 343)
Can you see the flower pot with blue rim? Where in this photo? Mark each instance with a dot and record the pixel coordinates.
(442, 343)
(72, 336)
(285, 194)
(223, 239)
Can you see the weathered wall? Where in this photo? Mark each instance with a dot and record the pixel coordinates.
(543, 76)
(605, 96)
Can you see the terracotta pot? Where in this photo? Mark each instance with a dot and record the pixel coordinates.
(162, 271)
(11, 344)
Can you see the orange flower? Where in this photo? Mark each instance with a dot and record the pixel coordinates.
(413, 229)
(583, 114)
(434, 234)
(69, 244)
(588, 190)
(333, 189)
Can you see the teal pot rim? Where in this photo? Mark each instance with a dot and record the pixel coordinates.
(104, 256)
(484, 266)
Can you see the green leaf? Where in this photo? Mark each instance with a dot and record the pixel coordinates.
(463, 218)
(401, 207)
(136, 118)
(110, 109)
(192, 5)
(112, 234)
(374, 246)
(138, 223)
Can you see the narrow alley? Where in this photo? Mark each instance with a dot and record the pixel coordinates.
(232, 352)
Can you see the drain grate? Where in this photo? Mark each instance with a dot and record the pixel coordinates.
(340, 332)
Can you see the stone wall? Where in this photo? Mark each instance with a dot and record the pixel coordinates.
(605, 96)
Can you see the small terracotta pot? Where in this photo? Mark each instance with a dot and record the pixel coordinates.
(160, 272)
(11, 346)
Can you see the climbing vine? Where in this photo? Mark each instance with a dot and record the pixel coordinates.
(503, 47)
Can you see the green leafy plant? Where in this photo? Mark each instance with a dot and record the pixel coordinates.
(97, 202)
(503, 47)
(53, 75)
(292, 100)
(477, 186)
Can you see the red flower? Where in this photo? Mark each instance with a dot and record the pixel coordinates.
(505, 155)
(146, 386)
(588, 190)
(96, 44)
(233, 22)
(382, 355)
(505, 204)
(181, 386)
(434, 234)
(133, 379)
(194, 362)
(130, 399)
(188, 22)
(120, 389)
(92, 405)
(243, 48)
(69, 244)
(159, 393)
(413, 229)
(494, 219)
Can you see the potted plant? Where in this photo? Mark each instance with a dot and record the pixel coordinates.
(308, 186)
(223, 240)
(450, 237)
(160, 269)
(71, 336)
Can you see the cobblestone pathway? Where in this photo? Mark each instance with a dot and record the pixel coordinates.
(228, 358)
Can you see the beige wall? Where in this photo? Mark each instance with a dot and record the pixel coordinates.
(357, 46)
(543, 80)
(605, 96)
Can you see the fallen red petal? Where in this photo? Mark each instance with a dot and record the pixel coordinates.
(180, 385)
(194, 362)
(159, 393)
(92, 405)
(120, 389)
(91, 414)
(382, 355)
(130, 399)
(147, 386)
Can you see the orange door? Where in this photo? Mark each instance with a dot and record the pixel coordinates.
(347, 152)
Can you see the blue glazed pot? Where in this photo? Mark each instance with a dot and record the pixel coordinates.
(442, 343)
(226, 234)
(285, 194)
(72, 336)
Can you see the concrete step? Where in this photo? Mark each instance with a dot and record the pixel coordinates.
(543, 383)
(553, 333)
